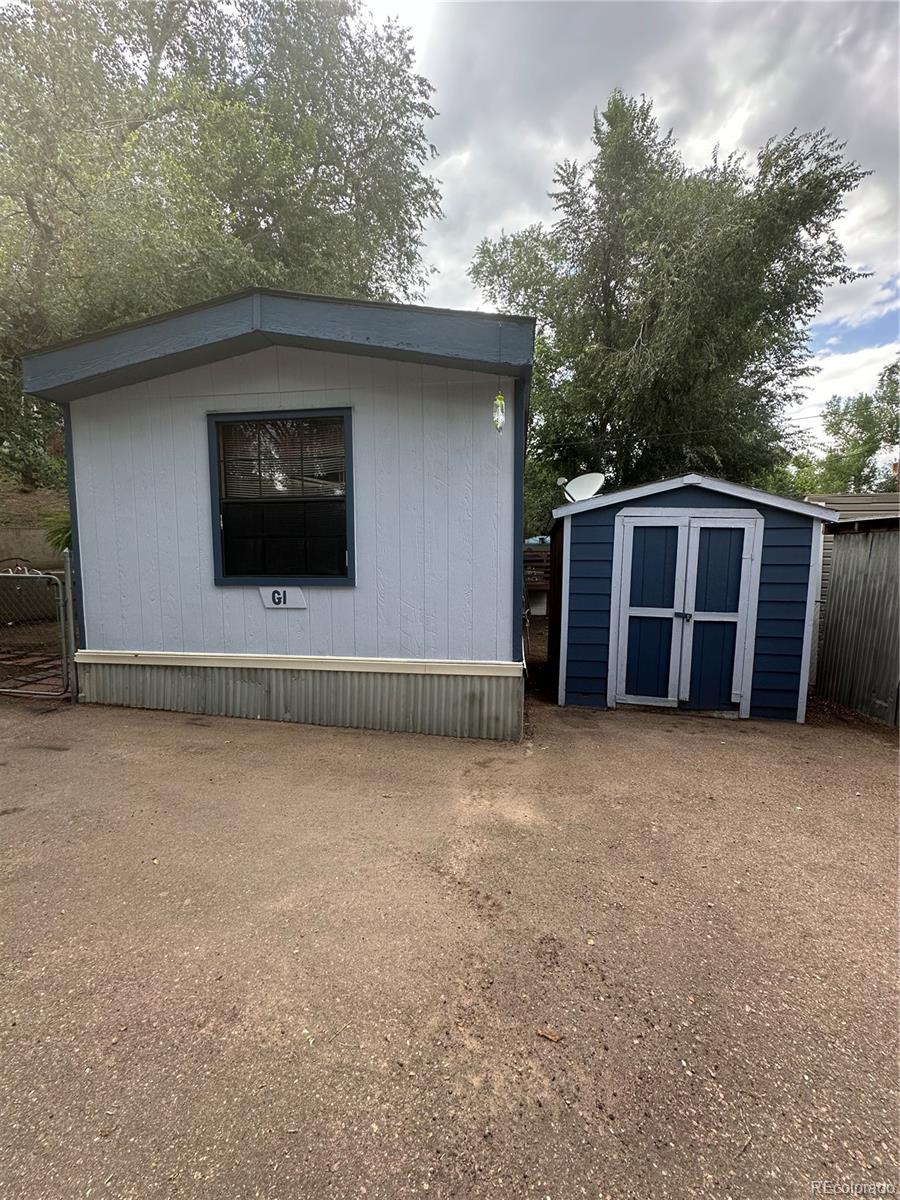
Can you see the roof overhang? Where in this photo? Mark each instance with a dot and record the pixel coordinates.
(249, 320)
(864, 525)
(816, 511)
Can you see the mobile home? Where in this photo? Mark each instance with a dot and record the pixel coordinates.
(300, 509)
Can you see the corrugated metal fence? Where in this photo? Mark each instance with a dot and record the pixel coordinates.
(850, 505)
(859, 665)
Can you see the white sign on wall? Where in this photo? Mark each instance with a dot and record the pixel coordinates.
(282, 597)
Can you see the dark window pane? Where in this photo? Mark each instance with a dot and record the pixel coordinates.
(326, 518)
(287, 518)
(326, 556)
(244, 520)
(285, 556)
(243, 556)
(278, 538)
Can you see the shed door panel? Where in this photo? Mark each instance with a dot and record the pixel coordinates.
(654, 554)
(719, 554)
(652, 592)
(712, 666)
(649, 655)
(716, 602)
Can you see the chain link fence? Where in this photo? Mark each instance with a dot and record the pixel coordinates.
(37, 642)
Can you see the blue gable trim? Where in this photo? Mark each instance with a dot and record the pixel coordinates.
(247, 321)
(520, 420)
(75, 550)
(781, 612)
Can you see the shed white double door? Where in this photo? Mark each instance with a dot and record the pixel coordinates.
(683, 608)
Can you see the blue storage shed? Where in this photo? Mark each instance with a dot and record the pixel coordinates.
(688, 593)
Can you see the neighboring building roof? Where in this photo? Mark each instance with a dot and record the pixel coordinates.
(817, 512)
(864, 524)
(860, 504)
(258, 317)
(850, 505)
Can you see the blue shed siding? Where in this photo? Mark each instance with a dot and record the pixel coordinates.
(781, 613)
(590, 587)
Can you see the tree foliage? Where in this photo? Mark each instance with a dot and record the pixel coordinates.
(158, 152)
(863, 432)
(673, 304)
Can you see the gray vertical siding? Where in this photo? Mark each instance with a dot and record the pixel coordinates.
(861, 646)
(784, 576)
(433, 483)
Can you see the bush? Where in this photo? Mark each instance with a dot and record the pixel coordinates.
(58, 531)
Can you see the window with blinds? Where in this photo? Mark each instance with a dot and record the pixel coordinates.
(282, 492)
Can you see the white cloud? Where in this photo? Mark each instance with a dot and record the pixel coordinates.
(842, 375)
(868, 231)
(516, 84)
(417, 15)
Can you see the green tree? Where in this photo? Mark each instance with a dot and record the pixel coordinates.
(157, 152)
(674, 303)
(863, 432)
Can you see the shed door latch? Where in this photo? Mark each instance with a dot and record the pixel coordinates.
(685, 615)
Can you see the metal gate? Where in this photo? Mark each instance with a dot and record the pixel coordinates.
(37, 632)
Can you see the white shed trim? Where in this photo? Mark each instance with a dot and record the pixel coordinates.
(299, 662)
(753, 526)
(612, 670)
(564, 613)
(812, 597)
(702, 481)
(718, 514)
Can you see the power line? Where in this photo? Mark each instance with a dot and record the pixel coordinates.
(686, 433)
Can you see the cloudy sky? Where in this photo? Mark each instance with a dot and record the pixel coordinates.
(516, 84)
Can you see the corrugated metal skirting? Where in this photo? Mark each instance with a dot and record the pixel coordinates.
(858, 666)
(472, 706)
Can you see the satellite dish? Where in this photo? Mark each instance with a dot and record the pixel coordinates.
(582, 488)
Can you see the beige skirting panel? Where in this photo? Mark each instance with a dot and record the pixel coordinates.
(472, 706)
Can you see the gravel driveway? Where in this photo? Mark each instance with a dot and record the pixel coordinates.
(637, 956)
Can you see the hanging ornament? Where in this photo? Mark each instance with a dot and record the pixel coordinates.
(499, 411)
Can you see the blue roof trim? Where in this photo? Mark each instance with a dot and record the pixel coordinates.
(247, 321)
(79, 631)
(520, 421)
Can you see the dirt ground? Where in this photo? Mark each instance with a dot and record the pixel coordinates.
(29, 508)
(638, 955)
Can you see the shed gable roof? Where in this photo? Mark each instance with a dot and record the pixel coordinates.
(816, 511)
(259, 317)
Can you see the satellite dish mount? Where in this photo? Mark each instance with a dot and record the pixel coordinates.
(583, 487)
